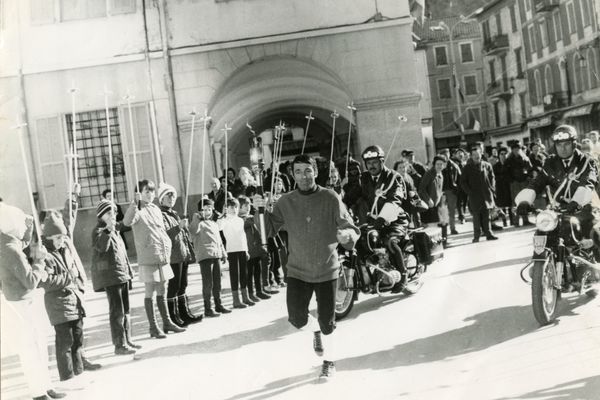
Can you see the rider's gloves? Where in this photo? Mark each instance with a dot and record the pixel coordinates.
(379, 223)
(523, 208)
(572, 207)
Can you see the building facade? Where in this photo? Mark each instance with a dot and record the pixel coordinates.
(562, 55)
(455, 70)
(139, 69)
(504, 73)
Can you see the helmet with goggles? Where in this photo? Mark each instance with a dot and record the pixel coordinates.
(564, 133)
(372, 153)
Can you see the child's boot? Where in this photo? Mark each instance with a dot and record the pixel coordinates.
(155, 331)
(168, 325)
(236, 299)
(245, 298)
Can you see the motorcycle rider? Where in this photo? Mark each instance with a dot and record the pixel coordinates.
(384, 191)
(571, 176)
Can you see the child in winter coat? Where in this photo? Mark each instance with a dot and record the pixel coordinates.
(257, 252)
(153, 248)
(237, 253)
(182, 254)
(63, 297)
(209, 250)
(111, 272)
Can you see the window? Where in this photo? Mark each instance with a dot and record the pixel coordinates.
(492, 72)
(519, 62)
(444, 90)
(513, 17)
(593, 68)
(466, 52)
(498, 24)
(470, 82)
(497, 114)
(571, 17)
(42, 11)
(585, 10)
(508, 112)
(575, 73)
(485, 26)
(441, 57)
(82, 9)
(532, 40)
(538, 94)
(473, 114)
(448, 120)
(544, 32)
(528, 5)
(557, 26)
(548, 78)
(121, 6)
(523, 102)
(93, 161)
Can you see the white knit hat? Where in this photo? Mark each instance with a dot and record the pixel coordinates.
(12, 220)
(165, 188)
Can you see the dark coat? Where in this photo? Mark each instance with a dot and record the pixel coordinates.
(519, 168)
(218, 198)
(503, 196)
(451, 176)
(431, 187)
(65, 285)
(255, 247)
(389, 183)
(110, 264)
(182, 249)
(479, 182)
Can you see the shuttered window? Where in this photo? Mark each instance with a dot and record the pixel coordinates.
(51, 151)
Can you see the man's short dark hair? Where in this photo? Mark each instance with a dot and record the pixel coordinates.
(244, 200)
(304, 159)
(105, 191)
(233, 203)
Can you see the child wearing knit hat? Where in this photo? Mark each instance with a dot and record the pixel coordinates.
(111, 272)
(182, 254)
(63, 297)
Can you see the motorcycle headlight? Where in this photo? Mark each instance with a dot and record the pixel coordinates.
(546, 221)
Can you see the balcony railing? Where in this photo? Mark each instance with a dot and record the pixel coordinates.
(545, 5)
(497, 90)
(496, 44)
(556, 100)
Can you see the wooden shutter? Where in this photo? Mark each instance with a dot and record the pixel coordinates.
(121, 7)
(42, 11)
(51, 160)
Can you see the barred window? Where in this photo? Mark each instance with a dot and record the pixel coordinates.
(93, 160)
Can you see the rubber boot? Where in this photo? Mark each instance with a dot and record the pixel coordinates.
(173, 308)
(168, 325)
(184, 311)
(245, 298)
(127, 323)
(236, 299)
(155, 331)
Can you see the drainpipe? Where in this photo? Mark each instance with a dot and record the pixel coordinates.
(169, 84)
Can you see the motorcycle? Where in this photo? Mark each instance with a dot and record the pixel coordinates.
(563, 262)
(368, 267)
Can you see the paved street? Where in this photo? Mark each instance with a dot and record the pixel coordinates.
(468, 334)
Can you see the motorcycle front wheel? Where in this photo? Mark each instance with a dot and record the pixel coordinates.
(344, 295)
(544, 294)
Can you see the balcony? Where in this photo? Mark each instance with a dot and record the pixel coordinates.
(556, 100)
(496, 90)
(545, 5)
(496, 45)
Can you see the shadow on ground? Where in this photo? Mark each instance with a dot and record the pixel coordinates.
(580, 389)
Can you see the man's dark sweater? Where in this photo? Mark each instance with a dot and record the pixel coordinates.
(312, 221)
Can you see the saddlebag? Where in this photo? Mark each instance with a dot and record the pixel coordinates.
(428, 245)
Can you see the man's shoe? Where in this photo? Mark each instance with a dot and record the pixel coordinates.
(496, 227)
(327, 370)
(222, 310)
(270, 290)
(123, 351)
(282, 284)
(209, 313)
(475, 240)
(53, 394)
(318, 344)
(491, 237)
(89, 366)
(454, 232)
(263, 296)
(42, 397)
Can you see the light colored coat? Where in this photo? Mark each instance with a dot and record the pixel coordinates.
(152, 244)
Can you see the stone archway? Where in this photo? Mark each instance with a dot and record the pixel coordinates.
(277, 89)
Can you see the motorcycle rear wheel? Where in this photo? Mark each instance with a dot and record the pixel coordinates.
(544, 295)
(344, 296)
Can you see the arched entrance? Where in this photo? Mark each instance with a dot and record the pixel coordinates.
(282, 89)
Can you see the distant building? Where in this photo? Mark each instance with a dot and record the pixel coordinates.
(457, 100)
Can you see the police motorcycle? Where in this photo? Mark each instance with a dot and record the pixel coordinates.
(369, 268)
(564, 260)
